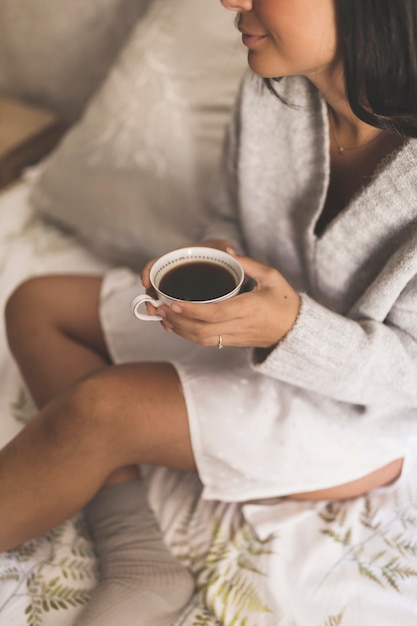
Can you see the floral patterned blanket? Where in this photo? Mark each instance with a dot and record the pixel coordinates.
(276, 563)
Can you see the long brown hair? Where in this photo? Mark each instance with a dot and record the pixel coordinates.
(378, 43)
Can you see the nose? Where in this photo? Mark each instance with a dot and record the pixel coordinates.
(237, 5)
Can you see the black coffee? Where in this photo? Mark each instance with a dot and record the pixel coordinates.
(198, 280)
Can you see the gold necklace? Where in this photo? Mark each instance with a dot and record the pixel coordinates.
(342, 149)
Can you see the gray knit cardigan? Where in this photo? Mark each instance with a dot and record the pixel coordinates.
(353, 349)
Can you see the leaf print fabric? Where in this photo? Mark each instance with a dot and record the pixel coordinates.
(47, 577)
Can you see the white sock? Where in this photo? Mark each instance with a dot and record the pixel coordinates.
(141, 583)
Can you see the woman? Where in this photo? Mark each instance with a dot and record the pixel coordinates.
(319, 371)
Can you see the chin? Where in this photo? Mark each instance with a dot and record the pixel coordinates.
(265, 70)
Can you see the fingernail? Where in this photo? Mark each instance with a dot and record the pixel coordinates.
(176, 308)
(162, 313)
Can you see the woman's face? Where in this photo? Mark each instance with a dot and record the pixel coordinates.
(287, 37)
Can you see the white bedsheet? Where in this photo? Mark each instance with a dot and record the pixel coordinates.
(351, 563)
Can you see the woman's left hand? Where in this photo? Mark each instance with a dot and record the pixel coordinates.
(259, 318)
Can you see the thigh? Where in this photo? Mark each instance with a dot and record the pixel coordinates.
(356, 488)
(69, 303)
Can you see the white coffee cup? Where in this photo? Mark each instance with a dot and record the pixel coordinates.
(212, 270)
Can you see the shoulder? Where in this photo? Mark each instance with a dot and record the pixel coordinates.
(397, 176)
(406, 158)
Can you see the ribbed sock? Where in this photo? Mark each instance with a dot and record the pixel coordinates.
(141, 583)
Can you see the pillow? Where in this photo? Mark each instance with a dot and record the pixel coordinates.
(131, 177)
(54, 54)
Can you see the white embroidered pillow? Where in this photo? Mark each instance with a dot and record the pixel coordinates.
(130, 178)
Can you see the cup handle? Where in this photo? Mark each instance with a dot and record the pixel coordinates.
(135, 304)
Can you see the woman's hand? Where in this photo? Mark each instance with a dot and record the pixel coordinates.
(259, 318)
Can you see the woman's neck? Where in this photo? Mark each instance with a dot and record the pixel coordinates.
(347, 131)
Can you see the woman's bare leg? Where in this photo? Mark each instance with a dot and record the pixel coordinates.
(55, 335)
(120, 415)
(380, 477)
(56, 338)
(54, 332)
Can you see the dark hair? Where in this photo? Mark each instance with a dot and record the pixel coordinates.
(378, 44)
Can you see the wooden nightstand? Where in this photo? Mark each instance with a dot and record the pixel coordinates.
(27, 134)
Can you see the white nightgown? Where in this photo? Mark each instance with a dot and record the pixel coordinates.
(253, 437)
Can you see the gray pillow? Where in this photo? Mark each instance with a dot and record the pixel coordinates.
(131, 177)
(55, 53)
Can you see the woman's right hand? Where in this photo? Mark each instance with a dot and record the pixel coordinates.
(259, 318)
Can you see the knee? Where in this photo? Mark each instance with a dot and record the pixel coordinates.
(97, 399)
(25, 309)
(86, 411)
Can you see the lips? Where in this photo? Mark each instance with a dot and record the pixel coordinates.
(251, 40)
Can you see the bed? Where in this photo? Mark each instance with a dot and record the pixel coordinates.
(98, 201)
(351, 563)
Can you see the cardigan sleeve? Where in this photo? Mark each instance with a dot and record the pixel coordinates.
(362, 362)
